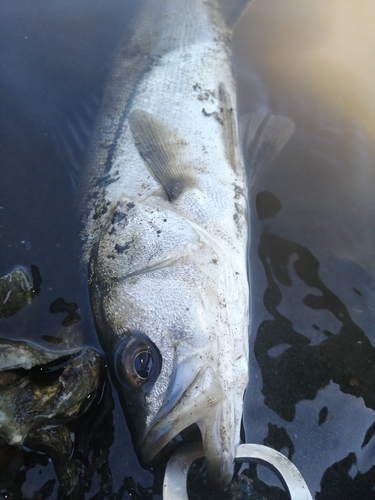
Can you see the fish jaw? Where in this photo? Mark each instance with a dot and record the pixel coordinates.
(216, 412)
(199, 393)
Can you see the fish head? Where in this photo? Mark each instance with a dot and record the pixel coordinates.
(172, 322)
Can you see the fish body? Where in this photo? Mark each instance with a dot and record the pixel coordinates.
(166, 230)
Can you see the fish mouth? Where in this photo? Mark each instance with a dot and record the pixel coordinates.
(203, 403)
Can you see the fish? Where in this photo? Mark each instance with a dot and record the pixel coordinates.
(165, 229)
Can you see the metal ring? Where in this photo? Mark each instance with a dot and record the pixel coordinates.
(174, 487)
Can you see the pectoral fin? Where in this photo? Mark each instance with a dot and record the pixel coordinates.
(164, 152)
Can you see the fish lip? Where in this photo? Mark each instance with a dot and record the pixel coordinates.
(204, 396)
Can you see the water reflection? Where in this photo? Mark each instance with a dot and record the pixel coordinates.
(311, 255)
(311, 356)
(345, 356)
(310, 49)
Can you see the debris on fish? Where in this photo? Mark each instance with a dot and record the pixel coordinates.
(166, 230)
(17, 289)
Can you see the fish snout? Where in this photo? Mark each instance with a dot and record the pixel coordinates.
(204, 403)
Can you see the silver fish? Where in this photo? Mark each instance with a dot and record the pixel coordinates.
(166, 230)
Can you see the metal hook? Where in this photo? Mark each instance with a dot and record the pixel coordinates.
(174, 487)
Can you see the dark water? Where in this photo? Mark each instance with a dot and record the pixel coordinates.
(312, 379)
(312, 364)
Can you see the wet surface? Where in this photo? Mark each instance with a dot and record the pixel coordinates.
(311, 392)
(312, 367)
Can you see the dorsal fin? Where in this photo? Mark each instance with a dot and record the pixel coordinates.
(232, 10)
(163, 151)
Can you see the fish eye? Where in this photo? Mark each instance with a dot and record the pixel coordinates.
(137, 362)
